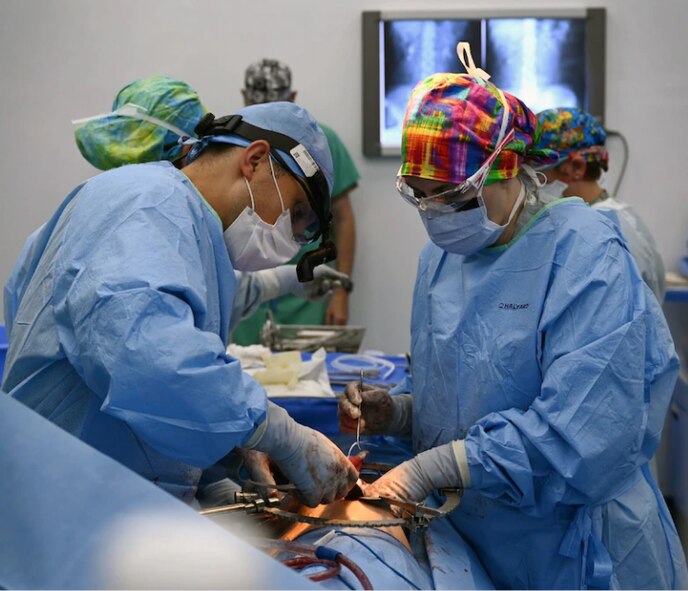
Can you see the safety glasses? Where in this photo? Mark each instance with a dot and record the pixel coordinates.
(462, 197)
(313, 181)
(457, 198)
(304, 223)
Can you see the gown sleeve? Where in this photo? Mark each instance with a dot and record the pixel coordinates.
(608, 368)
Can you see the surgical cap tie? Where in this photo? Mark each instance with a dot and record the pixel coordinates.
(137, 112)
(463, 50)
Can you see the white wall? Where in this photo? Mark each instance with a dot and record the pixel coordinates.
(63, 59)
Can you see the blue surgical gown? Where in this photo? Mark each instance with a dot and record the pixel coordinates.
(118, 313)
(640, 242)
(552, 360)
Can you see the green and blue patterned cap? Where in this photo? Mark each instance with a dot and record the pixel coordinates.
(147, 120)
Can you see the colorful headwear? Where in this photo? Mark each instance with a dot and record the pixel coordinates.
(452, 125)
(133, 133)
(267, 81)
(573, 132)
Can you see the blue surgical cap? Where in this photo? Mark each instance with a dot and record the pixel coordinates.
(285, 118)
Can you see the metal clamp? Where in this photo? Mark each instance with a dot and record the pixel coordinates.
(414, 515)
(418, 514)
(249, 503)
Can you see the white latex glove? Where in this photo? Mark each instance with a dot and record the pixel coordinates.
(381, 414)
(217, 493)
(283, 280)
(258, 465)
(316, 466)
(419, 477)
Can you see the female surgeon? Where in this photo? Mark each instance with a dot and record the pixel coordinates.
(541, 369)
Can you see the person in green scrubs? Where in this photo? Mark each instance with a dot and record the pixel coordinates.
(269, 81)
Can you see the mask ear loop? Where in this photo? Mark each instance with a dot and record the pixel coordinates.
(250, 194)
(274, 179)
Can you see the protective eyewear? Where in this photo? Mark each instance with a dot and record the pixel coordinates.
(457, 198)
(304, 222)
(310, 220)
(308, 225)
(462, 197)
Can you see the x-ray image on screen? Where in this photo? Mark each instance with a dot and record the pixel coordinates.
(541, 61)
(413, 50)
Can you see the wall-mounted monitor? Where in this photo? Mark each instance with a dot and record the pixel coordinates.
(547, 58)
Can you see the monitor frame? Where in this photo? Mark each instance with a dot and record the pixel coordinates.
(595, 55)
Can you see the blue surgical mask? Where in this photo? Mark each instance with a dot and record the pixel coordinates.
(467, 232)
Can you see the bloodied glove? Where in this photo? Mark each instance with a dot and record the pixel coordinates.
(315, 465)
(381, 414)
(415, 479)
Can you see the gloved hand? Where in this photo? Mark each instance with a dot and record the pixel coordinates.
(381, 414)
(283, 280)
(258, 465)
(419, 477)
(316, 466)
(217, 493)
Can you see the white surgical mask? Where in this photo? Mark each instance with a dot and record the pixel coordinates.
(467, 232)
(554, 190)
(253, 244)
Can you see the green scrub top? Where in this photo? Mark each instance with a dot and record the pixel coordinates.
(291, 309)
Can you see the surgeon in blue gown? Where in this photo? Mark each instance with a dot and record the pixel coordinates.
(542, 365)
(121, 303)
(149, 117)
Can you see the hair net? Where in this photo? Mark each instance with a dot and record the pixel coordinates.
(115, 140)
(572, 132)
(452, 125)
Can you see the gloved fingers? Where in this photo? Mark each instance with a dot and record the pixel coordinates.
(373, 396)
(348, 424)
(352, 397)
(217, 493)
(258, 466)
(351, 479)
(310, 499)
(346, 481)
(327, 272)
(323, 472)
(347, 409)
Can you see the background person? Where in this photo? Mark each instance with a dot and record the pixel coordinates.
(268, 81)
(580, 141)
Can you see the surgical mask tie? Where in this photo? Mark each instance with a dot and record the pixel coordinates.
(555, 189)
(253, 244)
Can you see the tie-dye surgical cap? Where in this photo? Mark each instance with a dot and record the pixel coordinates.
(452, 125)
(573, 132)
(114, 140)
